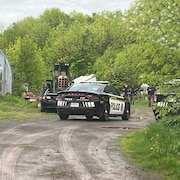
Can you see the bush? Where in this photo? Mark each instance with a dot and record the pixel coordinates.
(8, 98)
(158, 146)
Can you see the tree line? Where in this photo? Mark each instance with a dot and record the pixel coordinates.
(140, 45)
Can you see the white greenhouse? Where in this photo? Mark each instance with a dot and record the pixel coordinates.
(6, 75)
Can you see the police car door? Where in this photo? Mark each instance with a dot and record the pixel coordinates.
(117, 104)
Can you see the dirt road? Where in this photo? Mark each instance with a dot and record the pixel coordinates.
(76, 149)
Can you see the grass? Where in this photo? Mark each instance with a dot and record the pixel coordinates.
(17, 108)
(157, 148)
(141, 100)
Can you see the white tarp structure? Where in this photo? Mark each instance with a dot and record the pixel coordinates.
(91, 77)
(6, 75)
(144, 86)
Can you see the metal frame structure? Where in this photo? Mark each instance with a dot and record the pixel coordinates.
(6, 75)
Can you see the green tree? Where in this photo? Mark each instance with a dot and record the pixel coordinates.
(157, 22)
(54, 17)
(125, 69)
(28, 65)
(103, 64)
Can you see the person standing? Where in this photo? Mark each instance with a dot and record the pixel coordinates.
(150, 92)
(132, 94)
(126, 91)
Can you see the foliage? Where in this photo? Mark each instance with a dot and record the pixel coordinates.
(103, 64)
(158, 146)
(157, 21)
(140, 100)
(169, 93)
(138, 46)
(28, 65)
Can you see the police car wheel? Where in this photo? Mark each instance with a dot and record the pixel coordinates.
(105, 113)
(43, 109)
(88, 117)
(126, 114)
(63, 116)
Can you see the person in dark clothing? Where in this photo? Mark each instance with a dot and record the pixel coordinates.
(132, 94)
(126, 91)
(150, 92)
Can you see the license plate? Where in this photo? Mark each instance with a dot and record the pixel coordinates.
(74, 104)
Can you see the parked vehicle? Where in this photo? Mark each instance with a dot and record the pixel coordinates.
(97, 98)
(29, 96)
(167, 99)
(61, 79)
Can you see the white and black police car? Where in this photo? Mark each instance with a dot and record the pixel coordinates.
(167, 99)
(97, 98)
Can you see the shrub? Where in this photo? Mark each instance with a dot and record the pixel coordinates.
(158, 145)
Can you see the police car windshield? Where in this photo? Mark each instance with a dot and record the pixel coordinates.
(87, 87)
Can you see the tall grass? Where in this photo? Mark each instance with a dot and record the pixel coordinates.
(156, 148)
(15, 108)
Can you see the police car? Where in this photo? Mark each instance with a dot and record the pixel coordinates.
(167, 99)
(97, 98)
(165, 105)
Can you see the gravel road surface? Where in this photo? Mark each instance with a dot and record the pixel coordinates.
(76, 149)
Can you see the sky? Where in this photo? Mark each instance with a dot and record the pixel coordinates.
(14, 10)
